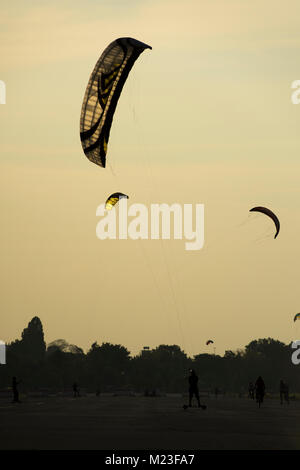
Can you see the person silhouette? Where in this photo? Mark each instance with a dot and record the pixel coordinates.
(15, 390)
(251, 390)
(260, 389)
(284, 392)
(281, 389)
(193, 389)
(75, 390)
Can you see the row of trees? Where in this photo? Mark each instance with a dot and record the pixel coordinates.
(110, 367)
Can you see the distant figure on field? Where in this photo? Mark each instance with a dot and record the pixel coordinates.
(260, 389)
(216, 392)
(15, 390)
(251, 390)
(193, 389)
(75, 390)
(284, 392)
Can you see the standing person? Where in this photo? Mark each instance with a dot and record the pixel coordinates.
(75, 390)
(251, 390)
(281, 390)
(260, 390)
(284, 392)
(193, 389)
(15, 390)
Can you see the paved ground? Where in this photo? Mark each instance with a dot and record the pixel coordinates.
(120, 423)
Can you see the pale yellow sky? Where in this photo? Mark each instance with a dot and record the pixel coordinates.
(205, 117)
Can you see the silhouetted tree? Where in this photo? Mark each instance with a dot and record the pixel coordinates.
(32, 344)
(110, 366)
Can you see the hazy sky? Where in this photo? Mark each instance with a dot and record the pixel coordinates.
(205, 117)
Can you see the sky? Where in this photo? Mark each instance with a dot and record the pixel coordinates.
(204, 117)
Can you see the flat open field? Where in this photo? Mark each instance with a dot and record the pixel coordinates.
(124, 422)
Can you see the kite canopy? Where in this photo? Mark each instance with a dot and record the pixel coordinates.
(270, 214)
(102, 94)
(297, 316)
(112, 200)
(210, 341)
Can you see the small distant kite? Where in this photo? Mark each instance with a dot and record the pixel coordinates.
(270, 214)
(210, 341)
(112, 200)
(297, 317)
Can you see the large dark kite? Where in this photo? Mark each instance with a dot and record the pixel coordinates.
(102, 94)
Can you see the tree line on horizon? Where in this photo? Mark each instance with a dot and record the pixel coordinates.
(110, 367)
